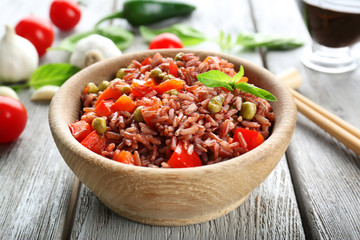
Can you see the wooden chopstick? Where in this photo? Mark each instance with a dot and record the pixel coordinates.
(335, 126)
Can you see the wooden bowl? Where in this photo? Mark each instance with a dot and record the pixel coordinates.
(170, 197)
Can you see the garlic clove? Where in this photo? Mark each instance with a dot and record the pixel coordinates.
(8, 92)
(45, 93)
(92, 57)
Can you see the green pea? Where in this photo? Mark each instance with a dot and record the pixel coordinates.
(121, 73)
(167, 77)
(172, 92)
(215, 103)
(156, 73)
(126, 89)
(93, 88)
(103, 85)
(248, 110)
(178, 56)
(138, 114)
(99, 124)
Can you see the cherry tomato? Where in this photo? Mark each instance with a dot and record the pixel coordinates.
(38, 31)
(65, 14)
(13, 117)
(166, 40)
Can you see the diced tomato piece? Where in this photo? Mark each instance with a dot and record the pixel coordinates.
(124, 157)
(146, 61)
(101, 145)
(173, 69)
(104, 108)
(80, 129)
(86, 89)
(95, 142)
(139, 89)
(251, 137)
(124, 103)
(181, 159)
(156, 104)
(109, 93)
(170, 84)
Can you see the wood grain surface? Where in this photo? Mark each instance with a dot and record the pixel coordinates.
(312, 193)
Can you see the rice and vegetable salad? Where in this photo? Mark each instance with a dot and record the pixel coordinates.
(174, 113)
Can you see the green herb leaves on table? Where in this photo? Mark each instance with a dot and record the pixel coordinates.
(216, 78)
(52, 74)
(276, 42)
(121, 37)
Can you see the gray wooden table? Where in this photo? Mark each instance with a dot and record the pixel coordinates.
(312, 193)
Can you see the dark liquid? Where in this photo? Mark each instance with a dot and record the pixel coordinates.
(330, 28)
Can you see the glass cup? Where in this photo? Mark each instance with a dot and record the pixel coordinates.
(334, 26)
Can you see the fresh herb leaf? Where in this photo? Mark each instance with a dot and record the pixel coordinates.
(239, 75)
(216, 78)
(188, 35)
(52, 74)
(275, 42)
(258, 92)
(121, 37)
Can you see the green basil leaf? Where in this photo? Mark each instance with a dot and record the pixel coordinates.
(239, 75)
(52, 74)
(215, 78)
(258, 92)
(121, 37)
(276, 42)
(188, 35)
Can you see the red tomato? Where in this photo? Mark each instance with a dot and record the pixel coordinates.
(13, 117)
(251, 137)
(166, 40)
(181, 159)
(65, 14)
(38, 31)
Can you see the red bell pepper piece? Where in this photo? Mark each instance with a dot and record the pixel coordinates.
(124, 157)
(173, 69)
(80, 129)
(124, 103)
(140, 88)
(109, 93)
(252, 138)
(95, 142)
(146, 61)
(169, 84)
(181, 159)
(104, 108)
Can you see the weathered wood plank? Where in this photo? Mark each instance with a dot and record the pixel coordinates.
(36, 183)
(269, 212)
(325, 173)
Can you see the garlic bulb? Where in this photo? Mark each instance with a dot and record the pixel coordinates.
(18, 57)
(92, 49)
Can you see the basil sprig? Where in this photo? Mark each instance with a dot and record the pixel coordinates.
(216, 78)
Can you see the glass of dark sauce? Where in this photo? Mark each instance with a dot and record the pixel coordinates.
(334, 26)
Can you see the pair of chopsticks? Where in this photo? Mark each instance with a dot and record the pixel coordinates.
(335, 126)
